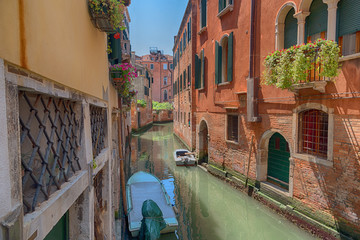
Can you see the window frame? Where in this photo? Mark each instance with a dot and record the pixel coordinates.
(227, 128)
(165, 80)
(151, 66)
(296, 134)
(229, 6)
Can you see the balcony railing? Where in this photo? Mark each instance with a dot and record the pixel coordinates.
(310, 65)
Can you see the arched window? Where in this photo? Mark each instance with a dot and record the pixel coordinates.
(313, 133)
(224, 59)
(348, 27)
(290, 29)
(316, 22)
(165, 95)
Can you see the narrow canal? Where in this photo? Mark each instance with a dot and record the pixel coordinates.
(208, 208)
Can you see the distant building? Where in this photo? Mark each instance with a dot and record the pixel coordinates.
(161, 67)
(142, 115)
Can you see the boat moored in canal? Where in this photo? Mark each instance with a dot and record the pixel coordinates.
(143, 186)
(184, 157)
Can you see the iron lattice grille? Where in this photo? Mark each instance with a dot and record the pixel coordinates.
(98, 129)
(50, 135)
(314, 132)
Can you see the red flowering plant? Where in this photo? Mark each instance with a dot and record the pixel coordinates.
(286, 67)
(122, 76)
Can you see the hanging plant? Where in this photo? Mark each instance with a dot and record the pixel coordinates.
(107, 15)
(291, 66)
(122, 76)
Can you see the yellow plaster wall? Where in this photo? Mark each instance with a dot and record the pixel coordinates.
(59, 42)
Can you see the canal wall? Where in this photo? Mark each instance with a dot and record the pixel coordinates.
(140, 116)
(316, 222)
(162, 116)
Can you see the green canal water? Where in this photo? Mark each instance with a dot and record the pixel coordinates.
(208, 208)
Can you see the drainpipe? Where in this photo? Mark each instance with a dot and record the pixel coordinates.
(252, 85)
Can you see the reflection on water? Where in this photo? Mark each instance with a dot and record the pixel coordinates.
(207, 207)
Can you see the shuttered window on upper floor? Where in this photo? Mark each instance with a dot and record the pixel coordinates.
(200, 70)
(316, 22)
(224, 3)
(189, 30)
(290, 29)
(203, 13)
(348, 26)
(224, 59)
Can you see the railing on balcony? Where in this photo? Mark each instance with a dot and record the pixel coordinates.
(125, 48)
(314, 75)
(50, 143)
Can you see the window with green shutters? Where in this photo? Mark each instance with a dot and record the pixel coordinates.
(115, 45)
(200, 70)
(203, 13)
(224, 3)
(224, 59)
(180, 82)
(189, 75)
(316, 22)
(348, 27)
(290, 29)
(184, 77)
(189, 30)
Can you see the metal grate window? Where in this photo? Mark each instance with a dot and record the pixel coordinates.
(98, 121)
(232, 128)
(50, 142)
(314, 133)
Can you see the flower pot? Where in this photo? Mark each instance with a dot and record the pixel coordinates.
(118, 83)
(101, 19)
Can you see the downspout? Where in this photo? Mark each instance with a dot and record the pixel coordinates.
(252, 85)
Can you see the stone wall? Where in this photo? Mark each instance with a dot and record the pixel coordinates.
(163, 116)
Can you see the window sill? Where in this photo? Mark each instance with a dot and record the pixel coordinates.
(349, 57)
(313, 159)
(200, 89)
(204, 29)
(227, 9)
(232, 142)
(224, 83)
(317, 85)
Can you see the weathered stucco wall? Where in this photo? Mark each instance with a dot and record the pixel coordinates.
(57, 40)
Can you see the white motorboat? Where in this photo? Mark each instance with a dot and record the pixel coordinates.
(184, 157)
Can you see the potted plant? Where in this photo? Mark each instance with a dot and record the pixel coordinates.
(107, 15)
(122, 76)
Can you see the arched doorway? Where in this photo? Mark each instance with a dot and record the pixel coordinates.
(203, 142)
(278, 161)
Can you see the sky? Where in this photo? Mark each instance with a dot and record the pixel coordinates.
(154, 23)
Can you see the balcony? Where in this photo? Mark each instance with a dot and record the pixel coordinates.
(311, 65)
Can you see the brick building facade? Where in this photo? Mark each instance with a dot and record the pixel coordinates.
(304, 144)
(161, 67)
(184, 49)
(142, 115)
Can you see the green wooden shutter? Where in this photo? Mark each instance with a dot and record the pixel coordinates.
(220, 5)
(316, 22)
(217, 74)
(189, 29)
(180, 82)
(184, 73)
(349, 17)
(230, 58)
(290, 29)
(203, 13)
(61, 230)
(202, 84)
(189, 75)
(197, 71)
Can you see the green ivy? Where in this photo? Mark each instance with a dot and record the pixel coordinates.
(162, 106)
(141, 102)
(284, 68)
